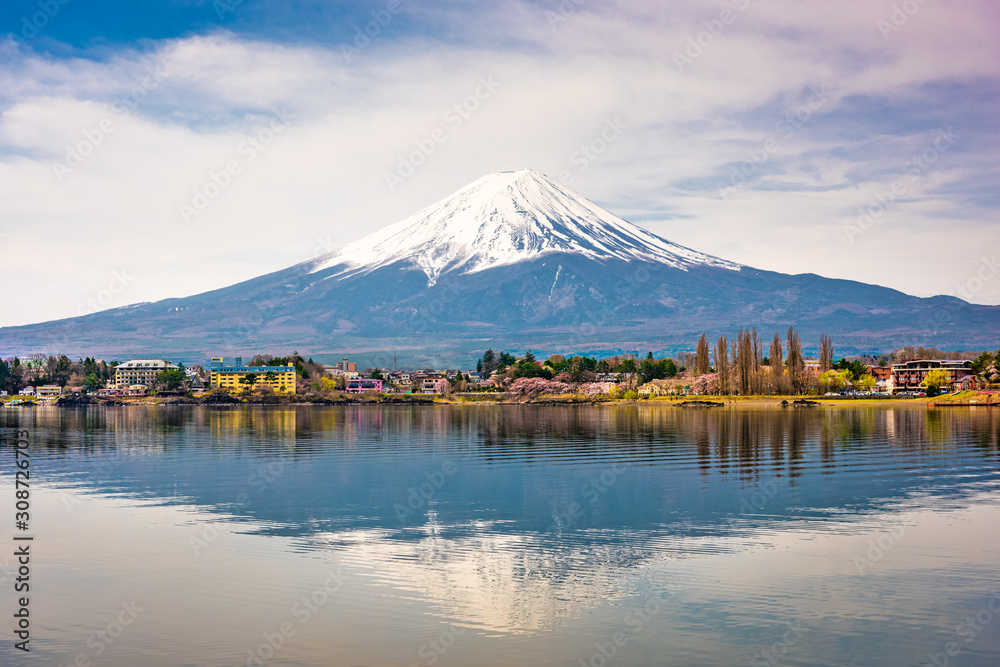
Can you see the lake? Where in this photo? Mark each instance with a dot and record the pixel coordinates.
(507, 535)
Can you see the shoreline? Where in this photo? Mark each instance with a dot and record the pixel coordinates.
(961, 399)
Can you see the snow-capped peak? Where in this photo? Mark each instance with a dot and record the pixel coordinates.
(501, 219)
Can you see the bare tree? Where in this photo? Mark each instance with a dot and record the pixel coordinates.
(744, 359)
(793, 362)
(722, 364)
(825, 353)
(758, 344)
(777, 364)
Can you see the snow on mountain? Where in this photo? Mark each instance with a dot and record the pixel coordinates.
(502, 219)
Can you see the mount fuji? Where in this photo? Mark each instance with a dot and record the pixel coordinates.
(512, 260)
(503, 219)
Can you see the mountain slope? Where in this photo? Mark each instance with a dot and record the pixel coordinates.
(511, 261)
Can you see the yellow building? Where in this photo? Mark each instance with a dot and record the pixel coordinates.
(281, 379)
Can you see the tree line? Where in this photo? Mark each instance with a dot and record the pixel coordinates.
(38, 369)
(575, 368)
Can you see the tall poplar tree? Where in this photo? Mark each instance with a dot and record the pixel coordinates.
(776, 358)
(722, 364)
(793, 362)
(825, 353)
(702, 363)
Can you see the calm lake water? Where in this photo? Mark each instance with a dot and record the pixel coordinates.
(508, 535)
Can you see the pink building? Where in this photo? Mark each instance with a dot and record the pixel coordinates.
(358, 385)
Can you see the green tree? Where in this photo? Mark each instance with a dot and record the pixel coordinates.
(834, 380)
(505, 360)
(93, 382)
(526, 368)
(651, 369)
(558, 363)
(866, 383)
(63, 370)
(249, 380)
(936, 379)
(857, 368)
(270, 377)
(170, 379)
(487, 363)
(627, 365)
(982, 364)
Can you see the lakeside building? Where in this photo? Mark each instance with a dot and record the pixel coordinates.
(401, 378)
(281, 379)
(880, 372)
(359, 385)
(910, 375)
(140, 372)
(48, 391)
(434, 385)
(346, 369)
(883, 378)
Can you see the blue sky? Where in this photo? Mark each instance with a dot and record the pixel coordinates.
(159, 149)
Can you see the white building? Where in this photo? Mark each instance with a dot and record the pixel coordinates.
(140, 372)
